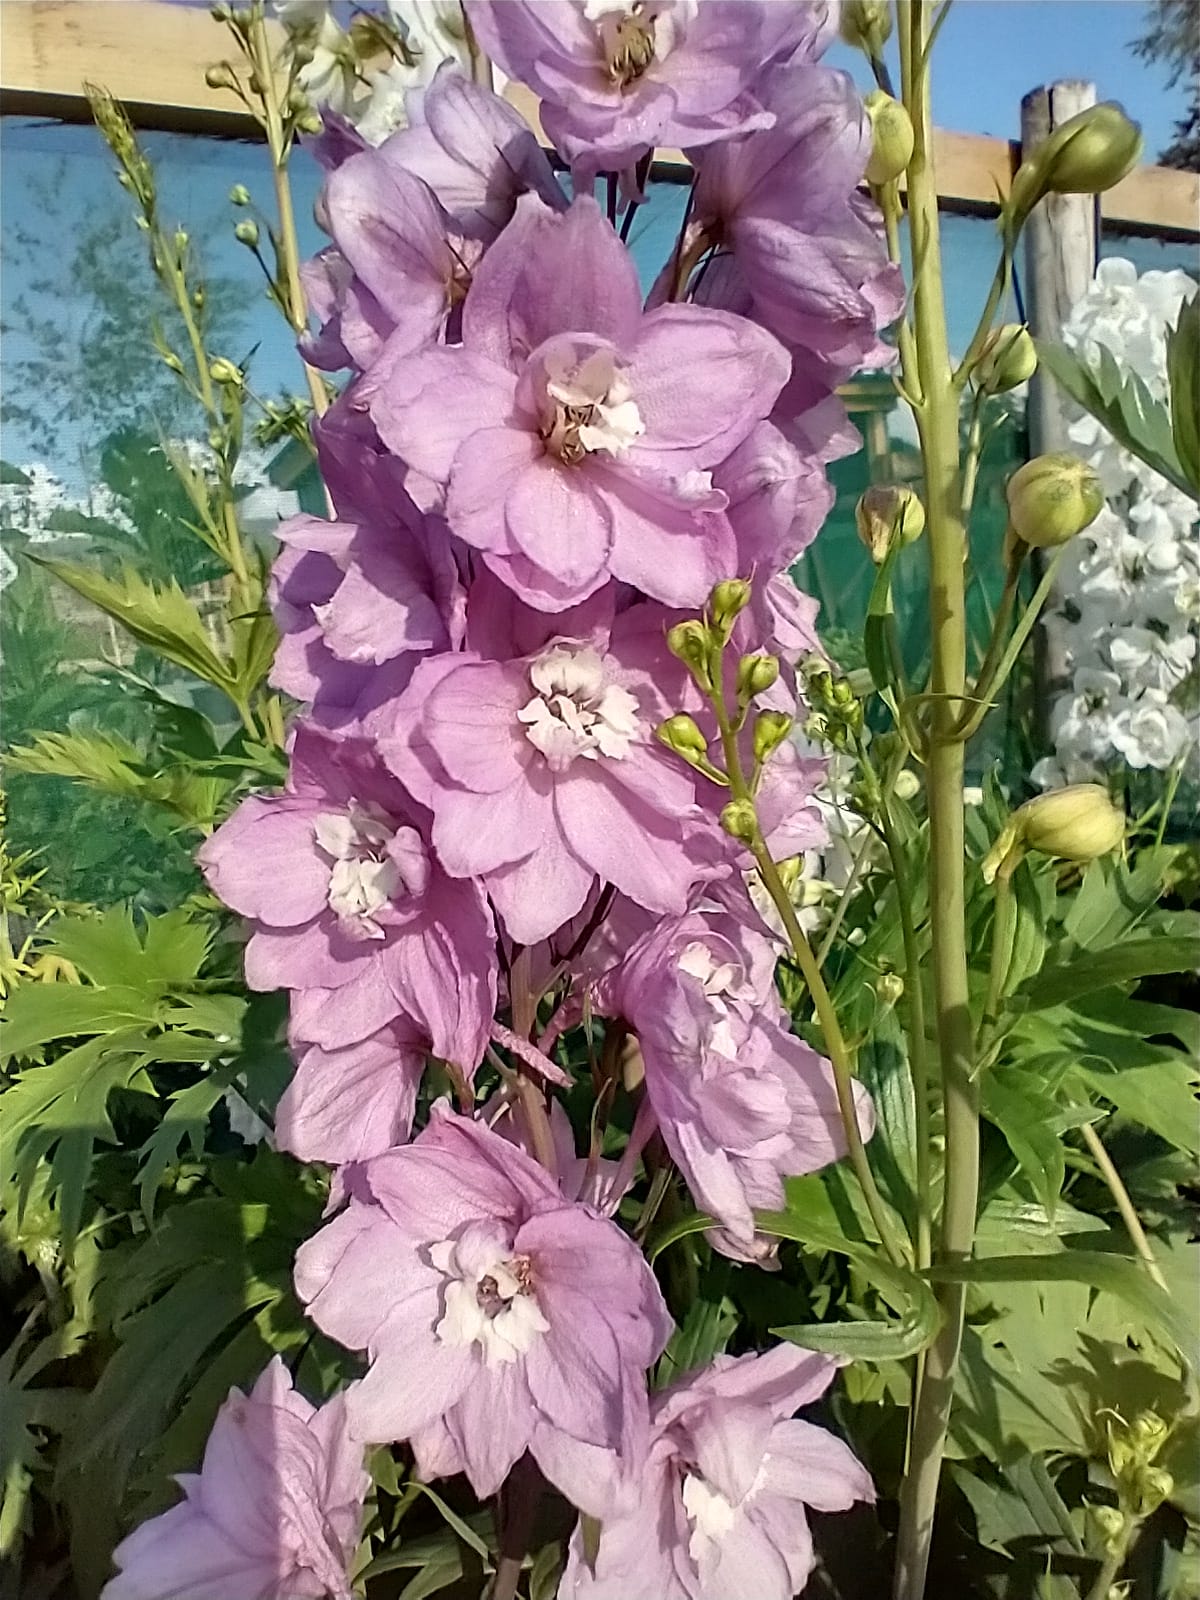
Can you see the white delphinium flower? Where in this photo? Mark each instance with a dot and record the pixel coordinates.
(1130, 586)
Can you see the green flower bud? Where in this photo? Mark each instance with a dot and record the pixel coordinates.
(866, 25)
(726, 602)
(222, 371)
(1091, 152)
(886, 512)
(771, 728)
(247, 233)
(790, 871)
(1052, 498)
(1151, 1486)
(1009, 358)
(1148, 1434)
(1078, 823)
(682, 734)
(692, 643)
(1111, 1525)
(891, 138)
(755, 675)
(739, 820)
(220, 76)
(907, 785)
(239, 195)
(889, 987)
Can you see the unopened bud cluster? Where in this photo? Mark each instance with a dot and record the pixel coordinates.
(835, 711)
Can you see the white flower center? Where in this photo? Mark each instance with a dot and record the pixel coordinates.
(364, 876)
(710, 1514)
(591, 407)
(575, 711)
(633, 33)
(716, 978)
(489, 1300)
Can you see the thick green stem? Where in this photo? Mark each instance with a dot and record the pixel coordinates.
(937, 423)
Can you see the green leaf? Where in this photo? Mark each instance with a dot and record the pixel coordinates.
(463, 1529)
(1164, 1098)
(877, 632)
(1012, 1101)
(162, 618)
(1112, 1274)
(866, 1340)
(186, 1118)
(39, 1012)
(1114, 897)
(1183, 377)
(1099, 969)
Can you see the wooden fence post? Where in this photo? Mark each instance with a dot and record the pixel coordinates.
(1061, 251)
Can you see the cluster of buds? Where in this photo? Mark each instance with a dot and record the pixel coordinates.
(700, 644)
(1133, 1448)
(835, 712)
(1079, 823)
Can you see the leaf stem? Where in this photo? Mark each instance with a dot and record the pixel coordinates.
(1124, 1204)
(1003, 930)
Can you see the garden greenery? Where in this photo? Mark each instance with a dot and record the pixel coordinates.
(464, 1184)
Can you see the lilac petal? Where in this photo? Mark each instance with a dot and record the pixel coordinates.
(730, 1439)
(433, 401)
(472, 724)
(810, 1464)
(589, 1475)
(551, 273)
(623, 840)
(181, 1555)
(346, 1014)
(538, 588)
(359, 1247)
(701, 380)
(392, 230)
(671, 547)
(346, 1105)
(711, 1177)
(746, 1563)
(536, 896)
(446, 983)
(491, 1425)
(381, 608)
(264, 861)
(485, 469)
(481, 833)
(414, 1380)
(553, 516)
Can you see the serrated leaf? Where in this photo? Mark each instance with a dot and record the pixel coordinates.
(37, 1013)
(1012, 1101)
(164, 619)
(1101, 969)
(185, 1119)
(1109, 1273)
(1164, 1098)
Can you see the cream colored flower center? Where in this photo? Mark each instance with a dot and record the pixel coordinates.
(363, 877)
(717, 978)
(489, 1303)
(575, 710)
(710, 1514)
(590, 408)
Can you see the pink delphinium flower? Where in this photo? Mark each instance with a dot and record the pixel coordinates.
(273, 1514)
(497, 1317)
(543, 773)
(616, 78)
(799, 250)
(351, 910)
(570, 438)
(740, 1101)
(719, 1512)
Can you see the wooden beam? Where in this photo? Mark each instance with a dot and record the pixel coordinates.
(153, 56)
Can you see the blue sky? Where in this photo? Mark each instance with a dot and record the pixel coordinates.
(991, 52)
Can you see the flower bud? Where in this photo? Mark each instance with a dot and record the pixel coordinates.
(886, 512)
(1148, 1434)
(692, 643)
(1078, 823)
(682, 734)
(1111, 1525)
(246, 233)
(907, 785)
(220, 76)
(866, 25)
(755, 675)
(725, 603)
(771, 728)
(889, 987)
(1091, 152)
(1052, 498)
(1009, 359)
(222, 371)
(1151, 1486)
(739, 820)
(891, 138)
(239, 195)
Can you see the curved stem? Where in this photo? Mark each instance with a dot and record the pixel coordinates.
(1125, 1205)
(1110, 1569)
(937, 424)
(827, 1017)
(986, 686)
